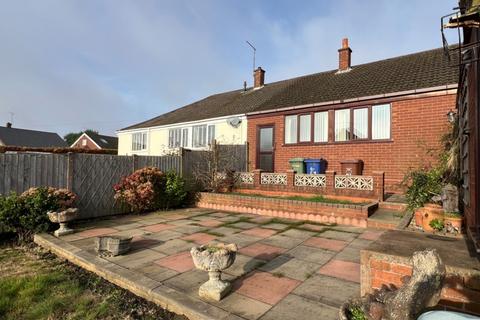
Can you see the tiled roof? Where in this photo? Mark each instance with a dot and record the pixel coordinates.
(30, 138)
(420, 70)
(105, 142)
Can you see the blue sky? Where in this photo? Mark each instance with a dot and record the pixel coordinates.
(68, 65)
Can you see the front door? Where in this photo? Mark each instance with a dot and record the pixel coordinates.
(266, 148)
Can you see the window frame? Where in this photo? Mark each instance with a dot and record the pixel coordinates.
(143, 141)
(331, 126)
(200, 127)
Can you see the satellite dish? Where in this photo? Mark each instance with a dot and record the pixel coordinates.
(234, 121)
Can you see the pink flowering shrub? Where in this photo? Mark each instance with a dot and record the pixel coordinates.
(143, 190)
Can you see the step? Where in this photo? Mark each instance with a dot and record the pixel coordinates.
(384, 219)
(394, 206)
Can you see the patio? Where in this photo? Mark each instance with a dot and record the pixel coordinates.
(283, 268)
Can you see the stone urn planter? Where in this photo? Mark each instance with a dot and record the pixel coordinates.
(112, 245)
(63, 217)
(214, 259)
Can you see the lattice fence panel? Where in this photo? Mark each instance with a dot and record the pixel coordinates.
(245, 177)
(93, 179)
(273, 178)
(354, 182)
(310, 180)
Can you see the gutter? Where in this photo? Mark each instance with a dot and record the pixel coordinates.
(359, 99)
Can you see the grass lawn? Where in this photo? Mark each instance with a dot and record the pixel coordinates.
(36, 285)
(301, 198)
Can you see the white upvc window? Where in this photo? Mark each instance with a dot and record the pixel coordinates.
(305, 132)
(211, 134)
(291, 129)
(174, 137)
(320, 127)
(342, 125)
(139, 141)
(381, 119)
(185, 137)
(199, 136)
(360, 123)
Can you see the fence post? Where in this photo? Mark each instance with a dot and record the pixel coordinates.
(134, 162)
(70, 163)
(330, 181)
(379, 184)
(182, 152)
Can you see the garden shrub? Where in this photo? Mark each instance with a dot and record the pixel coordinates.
(26, 214)
(422, 185)
(150, 189)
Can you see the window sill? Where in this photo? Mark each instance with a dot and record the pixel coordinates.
(336, 143)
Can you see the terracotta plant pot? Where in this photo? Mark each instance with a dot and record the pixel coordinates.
(456, 222)
(419, 217)
(431, 212)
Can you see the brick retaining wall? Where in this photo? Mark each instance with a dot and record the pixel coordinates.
(346, 214)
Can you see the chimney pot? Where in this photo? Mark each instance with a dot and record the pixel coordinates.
(344, 56)
(259, 78)
(9, 124)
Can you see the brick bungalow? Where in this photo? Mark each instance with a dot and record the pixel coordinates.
(388, 113)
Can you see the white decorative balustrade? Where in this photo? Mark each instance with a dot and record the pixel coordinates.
(244, 177)
(273, 178)
(310, 180)
(354, 182)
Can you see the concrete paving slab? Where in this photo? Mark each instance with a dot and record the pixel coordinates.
(158, 227)
(173, 246)
(262, 251)
(244, 306)
(156, 272)
(328, 290)
(180, 262)
(243, 225)
(128, 226)
(276, 226)
(295, 307)
(199, 238)
(212, 223)
(311, 254)
(265, 287)
(136, 258)
(240, 240)
(342, 269)
(338, 235)
(300, 234)
(282, 241)
(244, 264)
(351, 254)
(259, 232)
(291, 268)
(312, 227)
(189, 229)
(226, 231)
(95, 232)
(324, 243)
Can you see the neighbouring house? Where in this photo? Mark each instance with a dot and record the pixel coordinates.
(93, 141)
(388, 113)
(220, 117)
(14, 137)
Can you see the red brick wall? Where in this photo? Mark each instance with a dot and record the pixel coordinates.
(355, 215)
(460, 292)
(417, 125)
(90, 145)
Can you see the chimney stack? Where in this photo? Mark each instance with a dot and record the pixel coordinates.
(344, 56)
(9, 124)
(259, 78)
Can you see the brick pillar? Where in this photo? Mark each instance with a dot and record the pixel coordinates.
(256, 178)
(330, 182)
(379, 184)
(290, 179)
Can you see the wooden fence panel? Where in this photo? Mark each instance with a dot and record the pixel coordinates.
(21, 171)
